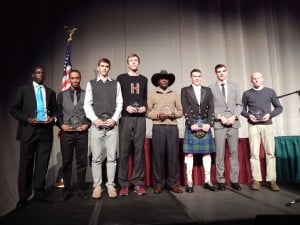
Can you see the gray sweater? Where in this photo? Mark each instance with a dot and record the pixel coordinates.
(263, 100)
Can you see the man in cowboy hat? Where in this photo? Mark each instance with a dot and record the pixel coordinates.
(164, 108)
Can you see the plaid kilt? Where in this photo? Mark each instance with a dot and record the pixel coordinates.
(194, 145)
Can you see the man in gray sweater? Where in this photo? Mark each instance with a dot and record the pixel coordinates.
(257, 108)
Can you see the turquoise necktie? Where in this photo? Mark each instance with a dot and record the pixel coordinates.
(40, 110)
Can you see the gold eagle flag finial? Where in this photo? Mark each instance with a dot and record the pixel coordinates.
(70, 32)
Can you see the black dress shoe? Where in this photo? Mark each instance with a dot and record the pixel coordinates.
(209, 187)
(176, 189)
(189, 189)
(43, 199)
(236, 186)
(221, 186)
(157, 190)
(66, 195)
(22, 203)
(82, 195)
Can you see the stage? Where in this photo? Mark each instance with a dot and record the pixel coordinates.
(232, 207)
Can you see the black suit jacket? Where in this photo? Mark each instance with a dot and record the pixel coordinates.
(23, 106)
(191, 107)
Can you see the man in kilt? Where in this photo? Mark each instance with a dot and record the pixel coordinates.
(198, 109)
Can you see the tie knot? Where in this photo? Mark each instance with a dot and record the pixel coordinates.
(222, 84)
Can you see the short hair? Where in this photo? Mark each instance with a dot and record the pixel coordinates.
(219, 66)
(75, 71)
(195, 70)
(133, 55)
(38, 67)
(105, 60)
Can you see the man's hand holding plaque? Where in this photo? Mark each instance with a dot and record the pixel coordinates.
(40, 118)
(166, 113)
(136, 108)
(258, 115)
(199, 129)
(74, 123)
(105, 122)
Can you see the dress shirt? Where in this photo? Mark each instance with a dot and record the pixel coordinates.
(197, 90)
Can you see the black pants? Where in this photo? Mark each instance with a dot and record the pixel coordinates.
(33, 165)
(71, 142)
(132, 131)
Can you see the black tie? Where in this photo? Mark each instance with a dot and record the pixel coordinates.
(223, 90)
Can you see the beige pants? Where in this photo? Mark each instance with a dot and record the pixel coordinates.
(264, 133)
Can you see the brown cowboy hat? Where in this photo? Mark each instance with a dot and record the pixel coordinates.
(163, 74)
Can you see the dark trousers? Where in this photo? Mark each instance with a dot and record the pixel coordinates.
(71, 142)
(132, 132)
(165, 148)
(33, 165)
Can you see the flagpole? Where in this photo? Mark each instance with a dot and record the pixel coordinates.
(65, 85)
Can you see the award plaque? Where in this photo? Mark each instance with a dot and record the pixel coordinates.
(74, 122)
(136, 105)
(104, 117)
(199, 133)
(167, 110)
(258, 113)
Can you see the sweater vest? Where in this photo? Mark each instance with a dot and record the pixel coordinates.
(104, 97)
(73, 114)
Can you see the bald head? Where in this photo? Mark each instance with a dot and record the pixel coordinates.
(257, 79)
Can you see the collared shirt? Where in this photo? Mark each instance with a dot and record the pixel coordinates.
(88, 101)
(104, 79)
(197, 90)
(259, 88)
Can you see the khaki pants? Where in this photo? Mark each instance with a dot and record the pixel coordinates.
(264, 133)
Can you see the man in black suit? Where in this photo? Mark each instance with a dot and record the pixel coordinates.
(35, 136)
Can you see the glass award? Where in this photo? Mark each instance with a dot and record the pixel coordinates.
(167, 110)
(104, 117)
(136, 105)
(74, 122)
(258, 113)
(199, 133)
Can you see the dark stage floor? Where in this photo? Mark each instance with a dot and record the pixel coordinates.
(245, 207)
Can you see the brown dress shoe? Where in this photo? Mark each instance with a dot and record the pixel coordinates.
(176, 189)
(157, 190)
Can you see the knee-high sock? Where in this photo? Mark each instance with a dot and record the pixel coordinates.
(189, 169)
(206, 161)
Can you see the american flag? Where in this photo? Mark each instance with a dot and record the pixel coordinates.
(65, 83)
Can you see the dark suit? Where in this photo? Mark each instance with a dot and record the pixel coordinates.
(191, 107)
(35, 140)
